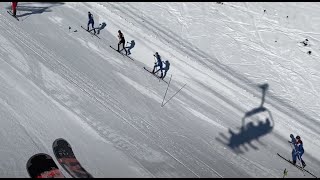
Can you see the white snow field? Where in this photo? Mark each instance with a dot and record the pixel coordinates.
(239, 66)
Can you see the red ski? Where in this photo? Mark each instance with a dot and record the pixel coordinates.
(42, 166)
(65, 156)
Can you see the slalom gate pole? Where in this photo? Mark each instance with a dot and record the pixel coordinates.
(166, 91)
(175, 94)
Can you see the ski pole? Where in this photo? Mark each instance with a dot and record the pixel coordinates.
(174, 94)
(166, 91)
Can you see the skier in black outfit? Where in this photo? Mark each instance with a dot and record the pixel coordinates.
(121, 41)
(91, 21)
(158, 63)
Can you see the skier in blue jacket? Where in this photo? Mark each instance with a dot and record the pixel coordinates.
(298, 150)
(158, 63)
(91, 21)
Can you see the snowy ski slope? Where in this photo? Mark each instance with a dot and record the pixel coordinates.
(240, 66)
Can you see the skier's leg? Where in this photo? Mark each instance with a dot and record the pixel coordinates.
(154, 68)
(165, 73)
(94, 30)
(118, 46)
(157, 71)
(14, 9)
(294, 157)
(124, 48)
(302, 161)
(161, 73)
(88, 25)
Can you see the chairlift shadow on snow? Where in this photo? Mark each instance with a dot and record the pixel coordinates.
(32, 8)
(249, 132)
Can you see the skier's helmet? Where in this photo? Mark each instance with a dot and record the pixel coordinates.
(119, 31)
(156, 53)
(291, 135)
(297, 137)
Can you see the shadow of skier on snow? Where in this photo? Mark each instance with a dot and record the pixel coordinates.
(132, 44)
(101, 27)
(249, 132)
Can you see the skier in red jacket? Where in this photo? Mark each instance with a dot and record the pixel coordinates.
(14, 8)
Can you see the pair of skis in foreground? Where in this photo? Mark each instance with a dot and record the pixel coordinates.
(43, 166)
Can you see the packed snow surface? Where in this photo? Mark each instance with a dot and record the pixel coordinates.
(240, 82)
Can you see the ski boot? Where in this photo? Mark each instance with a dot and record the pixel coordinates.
(294, 162)
(303, 163)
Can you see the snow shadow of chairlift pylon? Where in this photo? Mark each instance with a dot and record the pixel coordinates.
(30, 8)
(249, 132)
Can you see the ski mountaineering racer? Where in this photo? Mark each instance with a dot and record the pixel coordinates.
(91, 21)
(158, 63)
(297, 150)
(121, 41)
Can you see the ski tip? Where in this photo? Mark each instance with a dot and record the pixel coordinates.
(55, 143)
